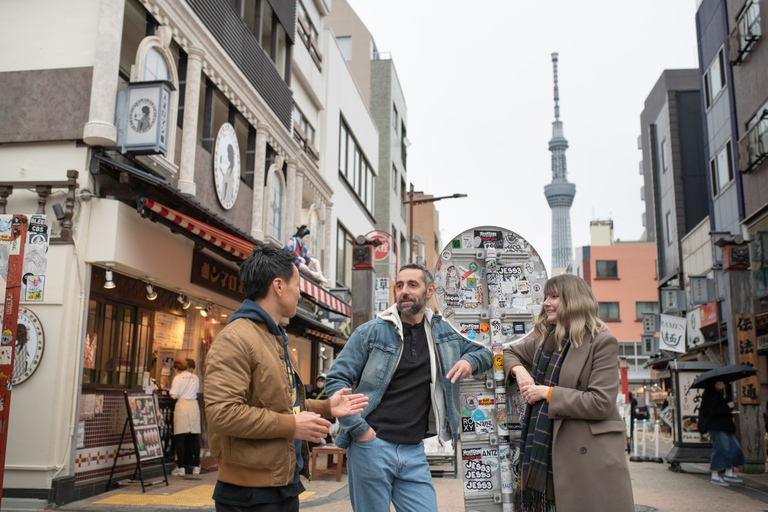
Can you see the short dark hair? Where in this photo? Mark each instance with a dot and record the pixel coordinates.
(190, 363)
(428, 279)
(263, 266)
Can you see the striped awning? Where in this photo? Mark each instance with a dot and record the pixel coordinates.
(240, 249)
(326, 298)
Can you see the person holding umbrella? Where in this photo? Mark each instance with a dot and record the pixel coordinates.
(716, 414)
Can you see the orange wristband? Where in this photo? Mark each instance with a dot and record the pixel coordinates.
(549, 394)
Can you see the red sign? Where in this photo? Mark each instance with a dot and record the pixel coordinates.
(383, 250)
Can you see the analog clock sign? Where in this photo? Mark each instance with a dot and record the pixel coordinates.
(226, 166)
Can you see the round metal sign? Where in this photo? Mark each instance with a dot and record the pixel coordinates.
(30, 343)
(487, 275)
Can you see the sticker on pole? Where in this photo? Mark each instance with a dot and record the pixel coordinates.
(490, 272)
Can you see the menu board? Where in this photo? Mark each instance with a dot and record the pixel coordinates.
(144, 426)
(169, 331)
(690, 401)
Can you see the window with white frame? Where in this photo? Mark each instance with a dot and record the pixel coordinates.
(275, 205)
(721, 169)
(668, 224)
(714, 78)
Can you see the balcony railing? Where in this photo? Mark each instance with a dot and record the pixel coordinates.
(304, 141)
(753, 146)
(746, 32)
(310, 42)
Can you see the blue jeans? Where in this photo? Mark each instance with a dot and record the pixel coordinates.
(726, 451)
(381, 472)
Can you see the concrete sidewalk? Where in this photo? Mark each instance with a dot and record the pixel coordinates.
(656, 488)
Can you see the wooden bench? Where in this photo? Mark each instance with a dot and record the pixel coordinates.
(336, 460)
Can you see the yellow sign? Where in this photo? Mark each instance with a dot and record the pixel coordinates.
(498, 362)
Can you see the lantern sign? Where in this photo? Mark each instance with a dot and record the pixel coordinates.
(144, 117)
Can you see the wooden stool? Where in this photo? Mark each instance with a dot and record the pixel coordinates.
(331, 467)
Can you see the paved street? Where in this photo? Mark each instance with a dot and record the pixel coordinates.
(655, 488)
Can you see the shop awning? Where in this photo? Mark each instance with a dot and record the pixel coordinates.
(326, 298)
(222, 240)
(149, 193)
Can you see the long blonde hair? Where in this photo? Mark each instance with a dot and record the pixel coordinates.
(578, 313)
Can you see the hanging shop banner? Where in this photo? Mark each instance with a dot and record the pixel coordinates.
(381, 295)
(672, 333)
(216, 276)
(690, 401)
(749, 388)
(169, 331)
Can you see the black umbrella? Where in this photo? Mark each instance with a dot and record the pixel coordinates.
(724, 373)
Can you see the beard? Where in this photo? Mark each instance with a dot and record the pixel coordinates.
(419, 303)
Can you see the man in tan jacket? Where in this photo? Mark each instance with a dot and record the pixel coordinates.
(258, 417)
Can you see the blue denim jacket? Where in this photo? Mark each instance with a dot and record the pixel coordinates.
(370, 358)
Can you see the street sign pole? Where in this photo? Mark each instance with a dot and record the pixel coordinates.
(16, 240)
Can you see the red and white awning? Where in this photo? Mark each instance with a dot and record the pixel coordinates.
(326, 298)
(241, 249)
(224, 241)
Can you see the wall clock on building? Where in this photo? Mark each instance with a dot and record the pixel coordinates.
(226, 166)
(30, 342)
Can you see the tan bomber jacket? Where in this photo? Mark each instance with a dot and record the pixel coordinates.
(249, 410)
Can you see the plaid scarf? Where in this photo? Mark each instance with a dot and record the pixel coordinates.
(536, 491)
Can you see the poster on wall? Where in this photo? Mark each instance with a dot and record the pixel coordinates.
(169, 331)
(35, 259)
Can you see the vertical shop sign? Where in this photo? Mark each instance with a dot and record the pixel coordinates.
(749, 388)
(381, 295)
(13, 234)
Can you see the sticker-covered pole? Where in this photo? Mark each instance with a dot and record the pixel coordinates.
(15, 240)
(495, 312)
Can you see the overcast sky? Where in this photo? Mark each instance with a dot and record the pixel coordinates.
(477, 78)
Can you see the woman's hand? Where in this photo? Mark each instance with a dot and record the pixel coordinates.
(344, 404)
(522, 377)
(534, 393)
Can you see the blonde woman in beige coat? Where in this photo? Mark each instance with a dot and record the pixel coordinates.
(567, 369)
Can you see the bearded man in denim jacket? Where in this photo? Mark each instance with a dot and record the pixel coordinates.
(408, 362)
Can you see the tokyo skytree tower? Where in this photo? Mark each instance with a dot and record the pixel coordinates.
(560, 192)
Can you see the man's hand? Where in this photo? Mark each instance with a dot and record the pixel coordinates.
(311, 427)
(344, 404)
(367, 436)
(461, 370)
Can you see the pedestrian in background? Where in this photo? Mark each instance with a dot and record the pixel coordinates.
(568, 372)
(716, 413)
(186, 417)
(258, 417)
(409, 363)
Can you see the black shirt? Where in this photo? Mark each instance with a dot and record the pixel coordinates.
(402, 416)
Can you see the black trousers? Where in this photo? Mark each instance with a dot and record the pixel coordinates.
(187, 449)
(289, 505)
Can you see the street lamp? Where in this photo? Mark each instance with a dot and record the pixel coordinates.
(411, 202)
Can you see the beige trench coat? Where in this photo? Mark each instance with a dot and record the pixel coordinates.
(589, 464)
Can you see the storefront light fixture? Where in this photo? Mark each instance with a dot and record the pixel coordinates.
(151, 293)
(109, 282)
(183, 299)
(205, 309)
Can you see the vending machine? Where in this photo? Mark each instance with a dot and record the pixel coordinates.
(489, 285)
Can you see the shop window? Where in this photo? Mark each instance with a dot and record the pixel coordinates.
(275, 205)
(117, 345)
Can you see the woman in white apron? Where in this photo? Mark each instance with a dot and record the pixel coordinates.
(186, 417)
